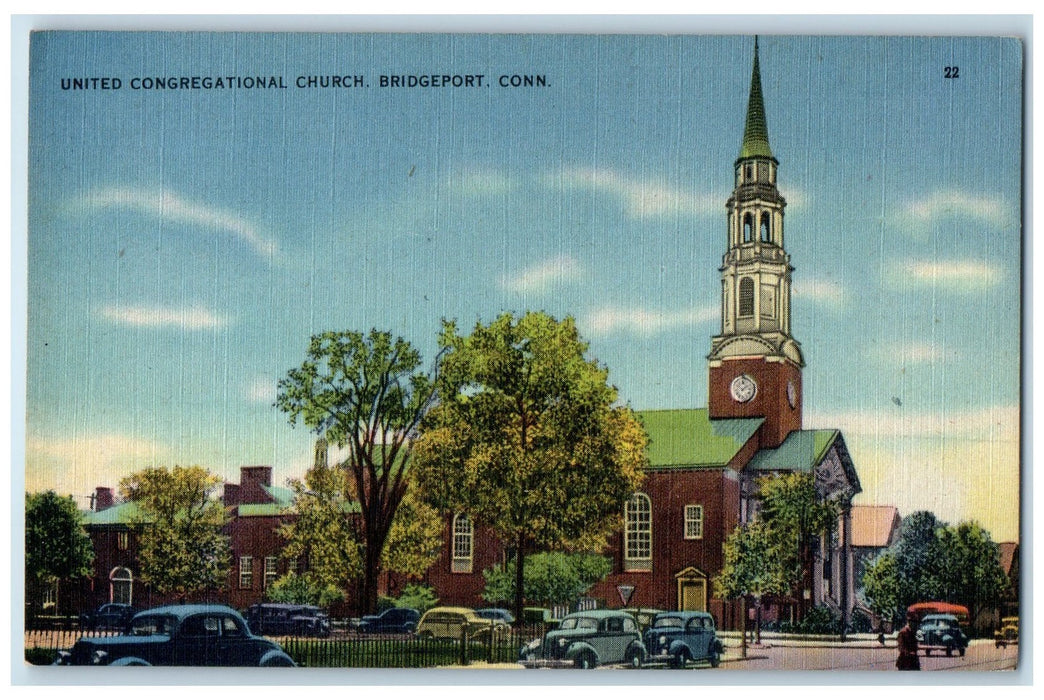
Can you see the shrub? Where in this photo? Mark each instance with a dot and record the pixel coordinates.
(417, 596)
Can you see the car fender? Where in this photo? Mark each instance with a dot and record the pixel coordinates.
(677, 646)
(130, 661)
(577, 648)
(638, 645)
(275, 657)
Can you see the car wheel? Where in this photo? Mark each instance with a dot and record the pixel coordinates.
(634, 658)
(960, 651)
(949, 651)
(277, 660)
(585, 661)
(715, 660)
(680, 659)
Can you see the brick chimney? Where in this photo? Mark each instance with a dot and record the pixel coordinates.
(250, 488)
(102, 498)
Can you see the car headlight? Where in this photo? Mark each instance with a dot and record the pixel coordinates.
(562, 642)
(98, 657)
(663, 639)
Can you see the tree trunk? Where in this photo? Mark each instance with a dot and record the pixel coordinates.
(519, 559)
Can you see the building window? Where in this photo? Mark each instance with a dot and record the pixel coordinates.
(693, 522)
(246, 572)
(121, 585)
(746, 297)
(766, 235)
(748, 225)
(463, 544)
(271, 570)
(122, 540)
(638, 533)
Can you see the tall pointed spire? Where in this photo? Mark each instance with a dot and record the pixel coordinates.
(755, 135)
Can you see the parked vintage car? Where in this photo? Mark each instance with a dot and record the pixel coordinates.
(588, 639)
(643, 616)
(287, 619)
(391, 621)
(450, 623)
(110, 616)
(179, 635)
(681, 637)
(1007, 633)
(496, 614)
(941, 632)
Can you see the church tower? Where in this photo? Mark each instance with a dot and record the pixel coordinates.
(754, 363)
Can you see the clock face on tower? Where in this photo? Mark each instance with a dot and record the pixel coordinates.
(743, 388)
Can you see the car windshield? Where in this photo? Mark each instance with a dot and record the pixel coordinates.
(146, 625)
(668, 622)
(582, 623)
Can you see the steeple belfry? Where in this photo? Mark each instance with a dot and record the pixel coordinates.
(755, 364)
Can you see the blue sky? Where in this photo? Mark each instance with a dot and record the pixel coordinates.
(184, 244)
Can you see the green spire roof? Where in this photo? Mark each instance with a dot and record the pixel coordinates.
(755, 135)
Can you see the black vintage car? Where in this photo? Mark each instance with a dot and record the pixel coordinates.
(179, 635)
(391, 621)
(110, 616)
(941, 633)
(681, 637)
(276, 619)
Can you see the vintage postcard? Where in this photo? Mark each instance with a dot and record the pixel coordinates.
(658, 354)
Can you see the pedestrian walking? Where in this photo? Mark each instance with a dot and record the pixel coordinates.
(907, 639)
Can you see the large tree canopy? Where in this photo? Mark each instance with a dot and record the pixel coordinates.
(551, 578)
(56, 545)
(527, 438)
(366, 395)
(181, 546)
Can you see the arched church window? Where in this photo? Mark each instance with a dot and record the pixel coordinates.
(748, 225)
(746, 297)
(121, 585)
(463, 544)
(638, 533)
(766, 234)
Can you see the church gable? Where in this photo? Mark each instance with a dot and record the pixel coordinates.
(821, 452)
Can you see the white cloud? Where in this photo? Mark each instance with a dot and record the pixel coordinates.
(641, 197)
(969, 275)
(170, 207)
(643, 322)
(261, 390)
(916, 353)
(993, 424)
(189, 319)
(543, 276)
(820, 291)
(76, 465)
(955, 203)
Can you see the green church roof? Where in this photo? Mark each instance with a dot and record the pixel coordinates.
(755, 134)
(689, 438)
(121, 514)
(800, 452)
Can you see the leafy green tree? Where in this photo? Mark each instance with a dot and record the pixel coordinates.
(364, 394)
(551, 578)
(297, 588)
(971, 573)
(417, 596)
(527, 438)
(57, 548)
(750, 567)
(795, 516)
(182, 549)
(919, 558)
(884, 587)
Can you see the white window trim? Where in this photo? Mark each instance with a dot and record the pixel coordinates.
(246, 571)
(271, 570)
(638, 536)
(462, 543)
(693, 516)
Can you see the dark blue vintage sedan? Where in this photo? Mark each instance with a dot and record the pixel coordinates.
(392, 620)
(179, 635)
(681, 637)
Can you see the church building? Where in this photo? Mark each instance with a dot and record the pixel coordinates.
(704, 462)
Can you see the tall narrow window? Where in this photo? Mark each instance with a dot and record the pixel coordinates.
(246, 572)
(766, 233)
(638, 533)
(746, 297)
(693, 522)
(463, 544)
(271, 570)
(121, 585)
(747, 226)
(122, 540)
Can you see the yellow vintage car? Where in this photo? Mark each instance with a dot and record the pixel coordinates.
(1008, 632)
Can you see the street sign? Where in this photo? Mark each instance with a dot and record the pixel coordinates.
(625, 591)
